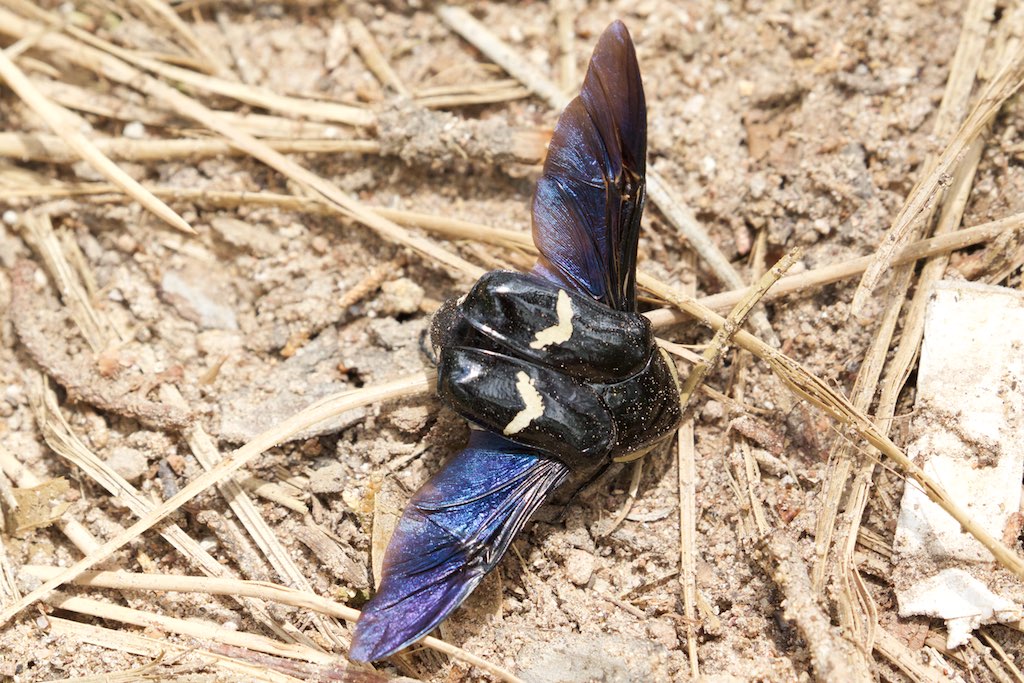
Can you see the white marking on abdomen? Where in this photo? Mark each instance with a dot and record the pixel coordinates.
(532, 402)
(560, 331)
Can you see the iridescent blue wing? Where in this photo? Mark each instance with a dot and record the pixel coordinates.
(586, 211)
(454, 530)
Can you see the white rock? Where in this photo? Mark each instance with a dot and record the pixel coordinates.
(579, 566)
(967, 430)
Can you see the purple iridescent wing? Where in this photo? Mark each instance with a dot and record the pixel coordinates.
(586, 211)
(454, 530)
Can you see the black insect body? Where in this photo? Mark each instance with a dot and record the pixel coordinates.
(556, 369)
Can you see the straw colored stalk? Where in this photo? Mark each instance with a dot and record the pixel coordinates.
(252, 589)
(301, 421)
(56, 117)
(53, 149)
(117, 70)
(456, 229)
(1002, 86)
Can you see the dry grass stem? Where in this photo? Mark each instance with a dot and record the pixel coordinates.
(807, 386)
(257, 96)
(38, 232)
(206, 57)
(274, 493)
(910, 662)
(453, 228)
(56, 118)
(636, 474)
(1002, 86)
(687, 475)
(301, 421)
(855, 607)
(723, 336)
(512, 61)
(466, 99)
(456, 229)
(113, 68)
(258, 590)
(61, 438)
(1003, 657)
(565, 18)
(123, 640)
(203, 630)
(208, 455)
(374, 59)
(52, 149)
(688, 538)
(460, 89)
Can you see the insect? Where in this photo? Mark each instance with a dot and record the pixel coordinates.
(555, 369)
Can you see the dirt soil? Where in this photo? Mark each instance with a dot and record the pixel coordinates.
(797, 123)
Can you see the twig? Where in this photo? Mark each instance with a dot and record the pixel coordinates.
(78, 375)
(263, 591)
(56, 118)
(833, 657)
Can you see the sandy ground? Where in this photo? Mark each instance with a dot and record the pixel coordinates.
(799, 124)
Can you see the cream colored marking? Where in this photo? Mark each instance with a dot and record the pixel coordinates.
(534, 405)
(560, 331)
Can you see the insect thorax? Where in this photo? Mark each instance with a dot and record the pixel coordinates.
(554, 370)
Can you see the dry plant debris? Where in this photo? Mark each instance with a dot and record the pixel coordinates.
(147, 367)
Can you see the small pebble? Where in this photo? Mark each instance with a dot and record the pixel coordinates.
(579, 566)
(129, 463)
(663, 632)
(134, 130)
(400, 296)
(10, 217)
(713, 410)
(329, 479)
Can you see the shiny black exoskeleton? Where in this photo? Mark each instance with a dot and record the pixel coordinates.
(596, 385)
(556, 367)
